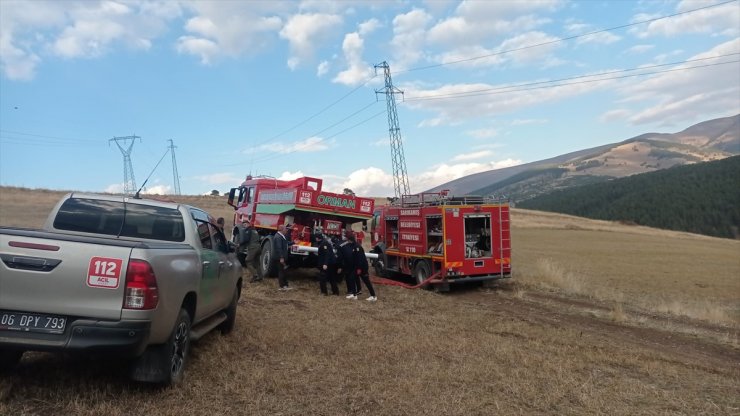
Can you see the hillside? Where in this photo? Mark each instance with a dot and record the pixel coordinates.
(701, 198)
(707, 141)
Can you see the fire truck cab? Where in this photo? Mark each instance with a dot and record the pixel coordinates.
(462, 239)
(300, 204)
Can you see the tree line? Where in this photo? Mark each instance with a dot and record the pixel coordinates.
(701, 198)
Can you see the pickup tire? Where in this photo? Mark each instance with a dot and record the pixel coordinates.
(268, 268)
(9, 359)
(228, 325)
(165, 364)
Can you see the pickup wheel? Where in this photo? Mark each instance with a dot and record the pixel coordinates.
(228, 325)
(268, 268)
(165, 364)
(9, 359)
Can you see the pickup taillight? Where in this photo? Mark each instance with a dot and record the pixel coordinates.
(141, 286)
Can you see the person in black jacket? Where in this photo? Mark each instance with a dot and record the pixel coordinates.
(326, 263)
(280, 251)
(361, 266)
(346, 265)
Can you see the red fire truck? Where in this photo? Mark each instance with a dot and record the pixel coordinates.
(300, 203)
(442, 239)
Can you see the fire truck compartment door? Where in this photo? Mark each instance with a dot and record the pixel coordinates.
(454, 235)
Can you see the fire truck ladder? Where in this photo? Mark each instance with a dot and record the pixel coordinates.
(501, 238)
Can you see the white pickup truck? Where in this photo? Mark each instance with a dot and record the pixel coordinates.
(120, 276)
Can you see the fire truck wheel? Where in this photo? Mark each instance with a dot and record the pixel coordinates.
(422, 271)
(267, 266)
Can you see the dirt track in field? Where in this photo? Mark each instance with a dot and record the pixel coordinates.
(695, 344)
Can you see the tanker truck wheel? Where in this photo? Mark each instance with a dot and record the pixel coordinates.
(268, 268)
(422, 271)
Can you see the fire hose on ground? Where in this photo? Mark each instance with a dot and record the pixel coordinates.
(374, 279)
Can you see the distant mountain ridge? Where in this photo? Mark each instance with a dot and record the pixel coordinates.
(706, 141)
(700, 198)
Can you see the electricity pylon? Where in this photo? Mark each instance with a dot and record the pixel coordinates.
(175, 175)
(400, 178)
(129, 183)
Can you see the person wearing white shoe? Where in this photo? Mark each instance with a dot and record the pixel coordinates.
(361, 266)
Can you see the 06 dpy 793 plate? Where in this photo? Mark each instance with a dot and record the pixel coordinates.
(32, 322)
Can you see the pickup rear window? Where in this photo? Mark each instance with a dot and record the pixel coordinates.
(120, 219)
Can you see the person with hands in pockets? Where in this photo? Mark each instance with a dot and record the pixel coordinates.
(361, 266)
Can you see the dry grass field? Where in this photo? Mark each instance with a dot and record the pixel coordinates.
(600, 318)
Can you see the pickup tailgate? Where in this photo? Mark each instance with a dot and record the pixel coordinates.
(63, 275)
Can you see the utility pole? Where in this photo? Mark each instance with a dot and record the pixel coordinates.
(129, 183)
(175, 175)
(400, 179)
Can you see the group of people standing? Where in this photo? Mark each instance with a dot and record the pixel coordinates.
(337, 260)
(345, 259)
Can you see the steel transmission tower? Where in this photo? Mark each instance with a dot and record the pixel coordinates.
(400, 179)
(175, 175)
(129, 183)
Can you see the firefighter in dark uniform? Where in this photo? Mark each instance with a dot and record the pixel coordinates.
(327, 265)
(361, 266)
(346, 266)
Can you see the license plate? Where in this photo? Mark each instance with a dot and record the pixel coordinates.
(32, 322)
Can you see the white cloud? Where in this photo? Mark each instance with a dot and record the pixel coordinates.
(229, 29)
(221, 178)
(455, 103)
(311, 144)
(158, 190)
(472, 156)
(601, 38)
(409, 32)
(323, 68)
(618, 114)
(289, 176)
(77, 29)
(358, 71)
(525, 121)
(638, 49)
(116, 188)
(443, 173)
(517, 50)
(682, 96)
(369, 26)
(304, 32)
(482, 133)
(722, 20)
(370, 181)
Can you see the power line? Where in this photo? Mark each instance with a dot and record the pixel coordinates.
(276, 155)
(516, 88)
(565, 38)
(63, 139)
(316, 114)
(252, 161)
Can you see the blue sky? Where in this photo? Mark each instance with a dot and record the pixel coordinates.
(288, 88)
